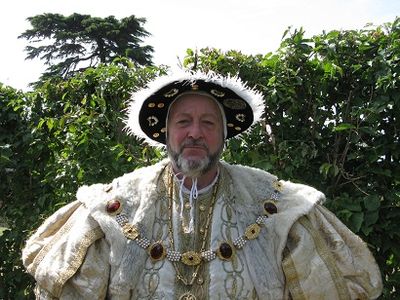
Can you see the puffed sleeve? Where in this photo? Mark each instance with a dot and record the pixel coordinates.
(67, 256)
(325, 260)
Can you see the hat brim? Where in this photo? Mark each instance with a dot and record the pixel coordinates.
(149, 108)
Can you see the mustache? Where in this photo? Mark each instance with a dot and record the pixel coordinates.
(194, 143)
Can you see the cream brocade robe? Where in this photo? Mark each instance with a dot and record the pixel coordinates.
(303, 251)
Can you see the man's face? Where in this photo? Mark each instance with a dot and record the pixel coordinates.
(195, 134)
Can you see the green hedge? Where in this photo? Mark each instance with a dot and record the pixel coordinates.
(331, 121)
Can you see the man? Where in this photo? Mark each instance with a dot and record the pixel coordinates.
(195, 227)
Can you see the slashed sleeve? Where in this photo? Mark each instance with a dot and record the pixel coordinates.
(67, 256)
(325, 260)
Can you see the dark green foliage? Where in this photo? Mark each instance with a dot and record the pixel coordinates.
(331, 121)
(55, 139)
(76, 42)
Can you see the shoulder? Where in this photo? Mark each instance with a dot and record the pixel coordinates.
(292, 198)
(133, 194)
(125, 188)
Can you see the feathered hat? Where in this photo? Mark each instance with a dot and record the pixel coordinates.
(149, 107)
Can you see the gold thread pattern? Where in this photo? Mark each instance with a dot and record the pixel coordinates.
(57, 236)
(292, 278)
(77, 259)
(328, 259)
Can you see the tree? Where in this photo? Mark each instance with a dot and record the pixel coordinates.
(74, 43)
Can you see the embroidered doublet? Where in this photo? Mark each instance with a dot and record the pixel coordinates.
(155, 281)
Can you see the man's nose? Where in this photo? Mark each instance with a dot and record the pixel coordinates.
(195, 131)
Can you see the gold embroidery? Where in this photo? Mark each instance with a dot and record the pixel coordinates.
(57, 236)
(77, 258)
(328, 259)
(292, 278)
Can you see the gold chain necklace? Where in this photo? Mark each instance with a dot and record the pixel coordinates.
(225, 251)
(190, 258)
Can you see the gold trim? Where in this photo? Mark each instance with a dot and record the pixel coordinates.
(56, 237)
(89, 238)
(325, 254)
(292, 278)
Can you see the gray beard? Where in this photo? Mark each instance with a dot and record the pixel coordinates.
(193, 168)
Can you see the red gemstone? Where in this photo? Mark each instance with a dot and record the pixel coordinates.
(225, 250)
(270, 208)
(113, 206)
(157, 251)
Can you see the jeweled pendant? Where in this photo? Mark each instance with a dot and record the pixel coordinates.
(225, 251)
(157, 251)
(191, 258)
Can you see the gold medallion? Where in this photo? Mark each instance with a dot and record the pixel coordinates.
(191, 258)
(130, 231)
(278, 185)
(252, 231)
(187, 296)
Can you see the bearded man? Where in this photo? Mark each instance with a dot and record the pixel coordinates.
(194, 226)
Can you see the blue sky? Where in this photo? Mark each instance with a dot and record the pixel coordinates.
(252, 26)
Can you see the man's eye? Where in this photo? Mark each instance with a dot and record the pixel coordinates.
(208, 122)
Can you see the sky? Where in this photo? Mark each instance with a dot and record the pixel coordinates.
(249, 26)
